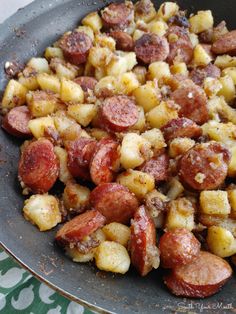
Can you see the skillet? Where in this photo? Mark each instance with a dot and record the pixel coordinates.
(27, 34)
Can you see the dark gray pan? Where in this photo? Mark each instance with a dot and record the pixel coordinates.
(22, 36)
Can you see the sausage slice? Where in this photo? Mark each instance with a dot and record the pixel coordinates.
(226, 44)
(157, 167)
(123, 40)
(199, 74)
(86, 82)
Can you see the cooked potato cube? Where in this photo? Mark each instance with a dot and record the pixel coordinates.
(221, 242)
(42, 211)
(138, 182)
(175, 189)
(117, 232)
(145, 16)
(232, 164)
(230, 72)
(100, 56)
(137, 34)
(214, 203)
(163, 113)
(156, 138)
(147, 96)
(213, 106)
(63, 121)
(225, 61)
(180, 145)
(64, 69)
(107, 86)
(49, 82)
(53, 52)
(94, 21)
(201, 22)
(98, 134)
(194, 39)
(70, 91)
(140, 72)
(180, 214)
(79, 257)
(226, 111)
(200, 56)
(64, 174)
(113, 257)
(158, 27)
(232, 201)
(135, 149)
(155, 203)
(82, 113)
(220, 132)
(14, 95)
(141, 123)
(167, 10)
(158, 70)
(127, 83)
(179, 68)
(40, 65)
(212, 86)
(39, 125)
(41, 103)
(87, 30)
(75, 197)
(103, 40)
(228, 88)
(122, 63)
(28, 78)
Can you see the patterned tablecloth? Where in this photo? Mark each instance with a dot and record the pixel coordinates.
(21, 293)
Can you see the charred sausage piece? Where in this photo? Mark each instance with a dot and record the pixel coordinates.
(192, 101)
(39, 166)
(150, 48)
(201, 278)
(104, 161)
(181, 127)
(16, 122)
(157, 167)
(226, 44)
(75, 47)
(79, 227)
(115, 202)
(117, 16)
(80, 153)
(178, 247)
(118, 113)
(199, 74)
(205, 166)
(86, 82)
(123, 40)
(179, 20)
(144, 253)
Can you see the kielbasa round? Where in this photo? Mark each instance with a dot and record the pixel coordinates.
(157, 167)
(123, 40)
(86, 82)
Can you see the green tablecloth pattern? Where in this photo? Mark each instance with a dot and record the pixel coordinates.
(21, 293)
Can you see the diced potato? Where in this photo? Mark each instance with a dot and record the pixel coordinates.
(180, 214)
(62, 121)
(87, 30)
(89, 70)
(100, 56)
(145, 16)
(138, 34)
(40, 65)
(156, 138)
(225, 61)
(14, 95)
(140, 72)
(100, 73)
(221, 242)
(39, 125)
(113, 257)
(180, 145)
(201, 22)
(230, 72)
(94, 21)
(42, 211)
(162, 114)
(158, 70)
(147, 96)
(228, 88)
(141, 123)
(107, 86)
(82, 113)
(155, 203)
(117, 232)
(127, 83)
(49, 82)
(232, 164)
(134, 150)
(73, 133)
(131, 60)
(98, 134)
(28, 78)
(227, 112)
(70, 91)
(121, 63)
(138, 182)
(179, 68)
(200, 56)
(64, 69)
(175, 189)
(167, 10)
(41, 103)
(105, 41)
(232, 201)
(158, 27)
(64, 174)
(212, 86)
(79, 257)
(53, 52)
(194, 39)
(214, 203)
(75, 197)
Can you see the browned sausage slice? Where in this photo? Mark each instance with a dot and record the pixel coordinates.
(199, 74)
(144, 253)
(79, 227)
(181, 127)
(205, 166)
(201, 278)
(75, 47)
(104, 161)
(150, 48)
(80, 153)
(178, 247)
(226, 44)
(39, 166)
(118, 113)
(157, 167)
(123, 40)
(114, 201)
(86, 82)
(16, 122)
(117, 15)
(192, 101)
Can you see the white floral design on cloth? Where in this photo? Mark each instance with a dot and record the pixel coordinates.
(20, 292)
